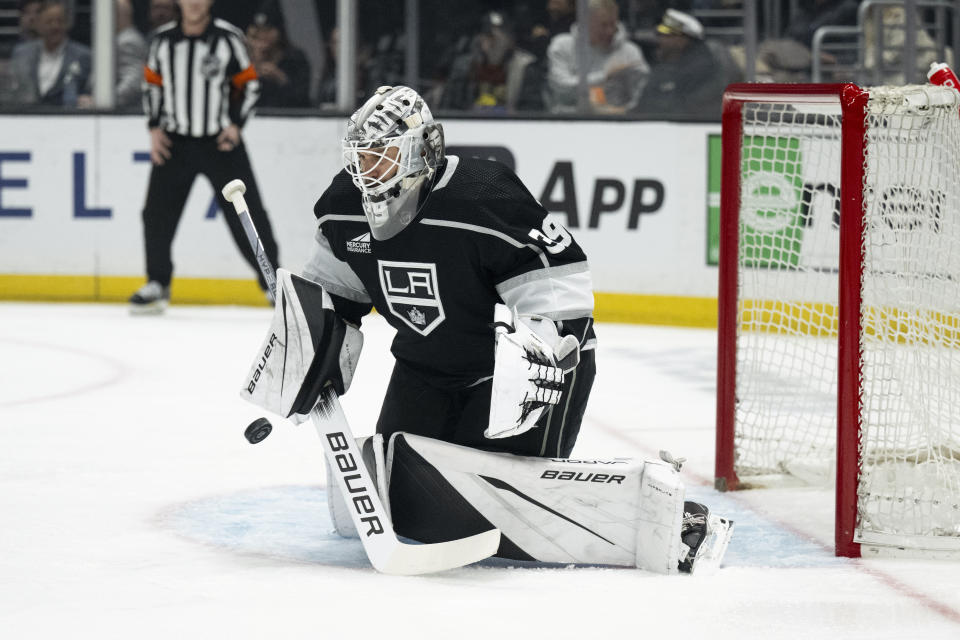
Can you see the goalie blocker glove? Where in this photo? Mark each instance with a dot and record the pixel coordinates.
(307, 347)
(529, 364)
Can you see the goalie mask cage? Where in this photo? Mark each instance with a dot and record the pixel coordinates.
(839, 304)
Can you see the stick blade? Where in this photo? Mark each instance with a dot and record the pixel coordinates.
(416, 559)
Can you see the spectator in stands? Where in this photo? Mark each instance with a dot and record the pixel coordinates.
(491, 75)
(27, 33)
(645, 17)
(646, 14)
(328, 80)
(385, 62)
(790, 58)
(616, 68)
(883, 59)
(162, 12)
(687, 79)
(283, 69)
(561, 14)
(52, 70)
(813, 14)
(131, 55)
(29, 10)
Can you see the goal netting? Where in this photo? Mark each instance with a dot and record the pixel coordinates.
(840, 261)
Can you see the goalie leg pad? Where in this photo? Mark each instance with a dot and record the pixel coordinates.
(371, 449)
(617, 512)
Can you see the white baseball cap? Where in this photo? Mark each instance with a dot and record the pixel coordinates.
(678, 23)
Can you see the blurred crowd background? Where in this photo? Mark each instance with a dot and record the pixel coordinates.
(637, 59)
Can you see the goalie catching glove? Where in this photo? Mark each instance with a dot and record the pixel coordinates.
(530, 362)
(308, 346)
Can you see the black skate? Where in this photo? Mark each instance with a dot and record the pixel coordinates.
(151, 298)
(704, 539)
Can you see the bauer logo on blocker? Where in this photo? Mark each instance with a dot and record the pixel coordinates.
(412, 293)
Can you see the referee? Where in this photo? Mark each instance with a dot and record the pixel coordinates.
(200, 89)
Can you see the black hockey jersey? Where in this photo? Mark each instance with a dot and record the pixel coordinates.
(479, 238)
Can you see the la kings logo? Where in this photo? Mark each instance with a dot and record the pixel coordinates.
(412, 295)
(360, 244)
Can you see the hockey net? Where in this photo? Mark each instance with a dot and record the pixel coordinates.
(839, 345)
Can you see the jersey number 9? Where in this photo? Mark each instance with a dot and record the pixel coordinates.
(554, 237)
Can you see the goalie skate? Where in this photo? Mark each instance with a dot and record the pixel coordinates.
(704, 539)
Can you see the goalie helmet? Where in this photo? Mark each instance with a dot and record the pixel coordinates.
(391, 148)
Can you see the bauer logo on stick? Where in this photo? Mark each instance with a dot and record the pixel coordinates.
(359, 493)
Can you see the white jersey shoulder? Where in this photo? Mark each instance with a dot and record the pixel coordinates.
(230, 28)
(165, 27)
(333, 274)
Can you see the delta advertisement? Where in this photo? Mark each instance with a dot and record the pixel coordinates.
(636, 195)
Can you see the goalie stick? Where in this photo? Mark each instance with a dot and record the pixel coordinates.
(386, 552)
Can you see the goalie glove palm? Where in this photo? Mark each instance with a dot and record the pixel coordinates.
(528, 371)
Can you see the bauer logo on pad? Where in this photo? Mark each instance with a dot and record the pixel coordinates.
(412, 293)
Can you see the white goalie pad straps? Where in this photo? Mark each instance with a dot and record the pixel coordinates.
(660, 518)
(307, 346)
(619, 511)
(529, 363)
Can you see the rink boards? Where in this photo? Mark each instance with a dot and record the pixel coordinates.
(634, 194)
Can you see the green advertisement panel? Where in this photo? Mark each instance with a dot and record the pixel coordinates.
(771, 222)
(714, 168)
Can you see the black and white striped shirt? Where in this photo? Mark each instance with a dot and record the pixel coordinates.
(198, 85)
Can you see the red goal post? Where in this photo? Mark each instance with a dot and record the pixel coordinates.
(837, 298)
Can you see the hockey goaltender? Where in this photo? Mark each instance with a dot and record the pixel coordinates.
(492, 303)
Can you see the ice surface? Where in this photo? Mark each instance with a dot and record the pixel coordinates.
(131, 506)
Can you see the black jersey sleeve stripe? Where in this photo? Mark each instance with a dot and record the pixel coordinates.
(153, 86)
(245, 79)
(241, 106)
(168, 117)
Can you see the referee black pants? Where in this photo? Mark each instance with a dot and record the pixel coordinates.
(167, 193)
(461, 416)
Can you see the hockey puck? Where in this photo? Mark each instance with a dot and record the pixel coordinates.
(258, 430)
